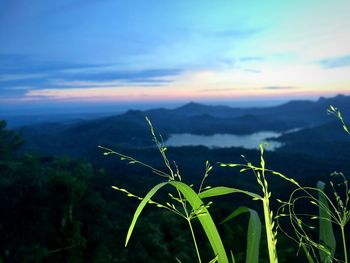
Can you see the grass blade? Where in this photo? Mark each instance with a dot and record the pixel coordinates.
(223, 190)
(214, 260)
(326, 234)
(307, 253)
(237, 212)
(140, 208)
(232, 257)
(253, 233)
(205, 220)
(253, 238)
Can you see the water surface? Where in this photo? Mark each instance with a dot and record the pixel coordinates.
(250, 141)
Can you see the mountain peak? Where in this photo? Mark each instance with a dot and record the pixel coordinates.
(192, 104)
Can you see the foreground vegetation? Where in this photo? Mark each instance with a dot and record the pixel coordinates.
(188, 204)
(55, 209)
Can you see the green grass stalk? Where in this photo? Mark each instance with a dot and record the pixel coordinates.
(344, 244)
(194, 240)
(191, 204)
(270, 234)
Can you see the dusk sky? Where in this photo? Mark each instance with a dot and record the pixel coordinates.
(145, 51)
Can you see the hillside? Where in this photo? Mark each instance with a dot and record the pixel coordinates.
(131, 130)
(323, 141)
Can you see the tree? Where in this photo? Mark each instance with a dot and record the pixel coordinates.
(10, 141)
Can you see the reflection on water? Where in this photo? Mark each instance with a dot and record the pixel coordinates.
(250, 141)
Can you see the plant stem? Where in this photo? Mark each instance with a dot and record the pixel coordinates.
(344, 244)
(188, 219)
(269, 232)
(194, 240)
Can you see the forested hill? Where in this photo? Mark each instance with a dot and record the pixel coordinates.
(206, 119)
(131, 129)
(64, 210)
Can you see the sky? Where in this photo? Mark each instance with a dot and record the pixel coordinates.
(71, 52)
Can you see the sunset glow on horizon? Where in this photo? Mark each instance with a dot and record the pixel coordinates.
(103, 51)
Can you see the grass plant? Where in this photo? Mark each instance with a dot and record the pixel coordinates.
(188, 204)
(184, 201)
(260, 173)
(332, 210)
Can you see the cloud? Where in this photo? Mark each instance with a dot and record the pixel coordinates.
(136, 76)
(218, 90)
(336, 62)
(238, 89)
(279, 87)
(20, 70)
(14, 80)
(26, 64)
(15, 77)
(64, 84)
(14, 91)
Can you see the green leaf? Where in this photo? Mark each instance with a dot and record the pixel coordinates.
(205, 219)
(237, 212)
(223, 190)
(214, 260)
(253, 233)
(232, 257)
(326, 235)
(140, 208)
(307, 253)
(253, 237)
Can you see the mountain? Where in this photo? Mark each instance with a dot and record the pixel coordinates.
(193, 109)
(294, 113)
(224, 119)
(324, 141)
(131, 129)
(83, 137)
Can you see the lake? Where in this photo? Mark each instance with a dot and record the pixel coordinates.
(250, 141)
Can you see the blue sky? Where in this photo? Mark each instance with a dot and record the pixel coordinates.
(97, 51)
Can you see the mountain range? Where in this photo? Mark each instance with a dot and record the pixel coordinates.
(130, 129)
